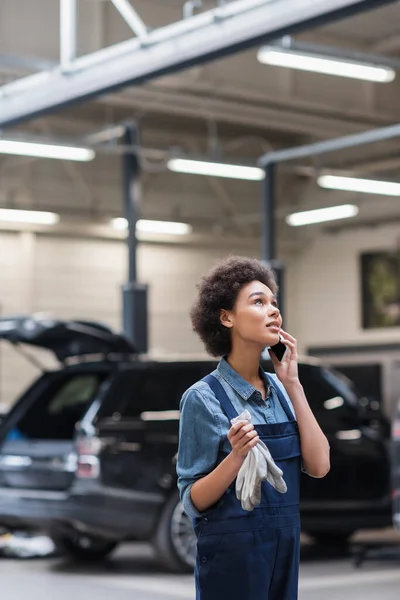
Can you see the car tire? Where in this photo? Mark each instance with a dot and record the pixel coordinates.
(84, 548)
(175, 540)
(332, 539)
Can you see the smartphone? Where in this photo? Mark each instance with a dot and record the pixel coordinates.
(279, 350)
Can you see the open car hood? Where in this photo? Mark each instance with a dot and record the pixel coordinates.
(65, 338)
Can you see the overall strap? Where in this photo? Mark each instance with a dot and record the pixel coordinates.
(281, 398)
(221, 396)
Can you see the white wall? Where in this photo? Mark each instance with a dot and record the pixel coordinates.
(325, 302)
(82, 278)
(325, 296)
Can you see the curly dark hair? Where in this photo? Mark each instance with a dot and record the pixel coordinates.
(218, 290)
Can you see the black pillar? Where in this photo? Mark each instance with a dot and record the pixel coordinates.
(269, 232)
(268, 223)
(135, 318)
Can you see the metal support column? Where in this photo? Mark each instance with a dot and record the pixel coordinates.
(268, 224)
(135, 318)
(268, 231)
(68, 11)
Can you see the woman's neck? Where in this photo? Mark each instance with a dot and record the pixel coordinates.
(246, 364)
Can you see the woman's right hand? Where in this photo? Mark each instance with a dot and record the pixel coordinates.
(242, 437)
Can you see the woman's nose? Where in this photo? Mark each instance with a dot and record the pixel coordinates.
(274, 311)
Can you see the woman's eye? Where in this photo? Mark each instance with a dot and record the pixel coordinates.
(258, 301)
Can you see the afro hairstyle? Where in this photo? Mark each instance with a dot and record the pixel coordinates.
(218, 290)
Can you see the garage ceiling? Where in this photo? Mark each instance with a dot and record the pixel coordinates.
(234, 106)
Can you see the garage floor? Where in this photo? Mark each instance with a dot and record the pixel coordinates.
(133, 574)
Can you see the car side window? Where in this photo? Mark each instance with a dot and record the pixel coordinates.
(153, 392)
(326, 400)
(75, 392)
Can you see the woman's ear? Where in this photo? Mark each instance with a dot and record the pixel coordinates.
(225, 318)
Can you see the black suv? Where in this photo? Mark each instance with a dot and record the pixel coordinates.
(88, 452)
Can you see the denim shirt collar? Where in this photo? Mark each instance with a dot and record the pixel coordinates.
(236, 381)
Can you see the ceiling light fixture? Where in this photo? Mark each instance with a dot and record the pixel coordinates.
(320, 215)
(365, 186)
(41, 150)
(304, 61)
(149, 226)
(35, 217)
(215, 169)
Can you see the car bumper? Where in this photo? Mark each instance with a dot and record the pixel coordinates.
(113, 514)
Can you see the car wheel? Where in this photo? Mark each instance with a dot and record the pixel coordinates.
(175, 540)
(336, 539)
(84, 548)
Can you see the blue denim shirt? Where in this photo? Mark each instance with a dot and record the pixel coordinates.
(203, 426)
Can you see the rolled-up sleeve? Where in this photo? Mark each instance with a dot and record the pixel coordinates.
(199, 442)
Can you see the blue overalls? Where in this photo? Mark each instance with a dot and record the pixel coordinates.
(254, 555)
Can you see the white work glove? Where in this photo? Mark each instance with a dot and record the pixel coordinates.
(258, 466)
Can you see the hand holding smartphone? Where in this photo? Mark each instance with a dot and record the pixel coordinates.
(279, 350)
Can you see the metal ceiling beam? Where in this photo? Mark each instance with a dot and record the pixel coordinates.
(129, 14)
(326, 146)
(208, 35)
(265, 114)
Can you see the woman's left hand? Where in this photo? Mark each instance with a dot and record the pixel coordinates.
(286, 370)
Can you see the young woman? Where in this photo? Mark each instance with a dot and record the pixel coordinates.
(242, 554)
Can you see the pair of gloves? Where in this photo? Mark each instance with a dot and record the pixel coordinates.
(258, 466)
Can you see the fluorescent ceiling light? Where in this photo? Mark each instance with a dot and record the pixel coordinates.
(294, 59)
(167, 227)
(39, 150)
(365, 186)
(320, 215)
(36, 217)
(119, 223)
(215, 169)
(149, 226)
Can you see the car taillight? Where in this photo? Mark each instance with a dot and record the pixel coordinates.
(88, 465)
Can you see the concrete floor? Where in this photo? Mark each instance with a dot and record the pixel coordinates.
(133, 574)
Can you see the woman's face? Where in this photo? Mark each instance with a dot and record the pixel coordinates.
(255, 317)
